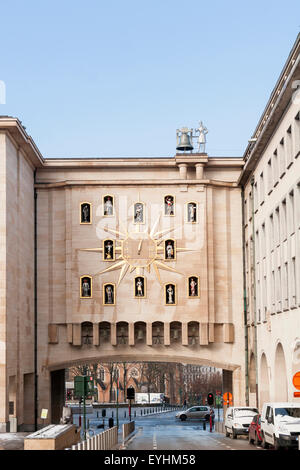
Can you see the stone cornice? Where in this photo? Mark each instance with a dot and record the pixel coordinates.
(135, 182)
(13, 127)
(155, 162)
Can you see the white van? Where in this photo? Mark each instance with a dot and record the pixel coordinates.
(280, 424)
(238, 419)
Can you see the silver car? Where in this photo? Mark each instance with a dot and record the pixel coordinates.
(196, 412)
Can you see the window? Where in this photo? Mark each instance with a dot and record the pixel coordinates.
(291, 213)
(255, 197)
(271, 232)
(263, 241)
(262, 189)
(278, 289)
(296, 139)
(285, 283)
(275, 168)
(284, 220)
(289, 147)
(264, 297)
(293, 282)
(101, 374)
(282, 163)
(270, 176)
(273, 291)
(277, 226)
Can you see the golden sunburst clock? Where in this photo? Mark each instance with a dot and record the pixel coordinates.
(139, 251)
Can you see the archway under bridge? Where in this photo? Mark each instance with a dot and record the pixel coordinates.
(232, 376)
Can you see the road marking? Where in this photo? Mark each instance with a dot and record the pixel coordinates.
(154, 442)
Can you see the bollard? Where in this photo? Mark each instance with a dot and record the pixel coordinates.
(124, 414)
(110, 422)
(204, 425)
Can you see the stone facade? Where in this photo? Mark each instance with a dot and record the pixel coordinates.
(53, 309)
(270, 183)
(209, 326)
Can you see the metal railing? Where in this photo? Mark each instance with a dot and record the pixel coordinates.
(106, 440)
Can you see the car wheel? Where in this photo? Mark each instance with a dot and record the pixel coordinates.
(233, 434)
(264, 444)
(227, 434)
(277, 446)
(183, 417)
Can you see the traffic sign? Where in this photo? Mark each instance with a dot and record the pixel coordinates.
(296, 380)
(227, 397)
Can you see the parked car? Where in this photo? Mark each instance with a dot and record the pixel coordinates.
(255, 430)
(280, 425)
(195, 412)
(238, 419)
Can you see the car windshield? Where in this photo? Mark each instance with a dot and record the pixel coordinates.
(245, 412)
(287, 412)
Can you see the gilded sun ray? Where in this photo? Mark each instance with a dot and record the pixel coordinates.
(141, 250)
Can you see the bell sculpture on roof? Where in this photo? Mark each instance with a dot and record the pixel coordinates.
(184, 139)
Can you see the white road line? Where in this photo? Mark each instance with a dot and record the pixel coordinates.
(154, 442)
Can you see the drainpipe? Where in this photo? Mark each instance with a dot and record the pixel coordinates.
(245, 305)
(254, 291)
(35, 310)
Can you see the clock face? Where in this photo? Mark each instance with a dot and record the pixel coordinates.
(139, 249)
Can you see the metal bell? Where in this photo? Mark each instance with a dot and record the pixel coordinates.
(184, 140)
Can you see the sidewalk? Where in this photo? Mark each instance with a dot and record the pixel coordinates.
(12, 440)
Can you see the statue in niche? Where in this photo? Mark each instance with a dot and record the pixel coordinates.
(169, 250)
(139, 213)
(139, 287)
(86, 287)
(108, 205)
(170, 294)
(193, 286)
(192, 212)
(109, 294)
(169, 205)
(108, 250)
(85, 213)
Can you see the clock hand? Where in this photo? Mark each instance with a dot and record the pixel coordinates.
(140, 246)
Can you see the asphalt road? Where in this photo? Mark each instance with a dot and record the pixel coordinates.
(165, 432)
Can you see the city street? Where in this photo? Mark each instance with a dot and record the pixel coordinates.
(165, 432)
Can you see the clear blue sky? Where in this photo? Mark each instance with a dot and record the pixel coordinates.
(116, 78)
